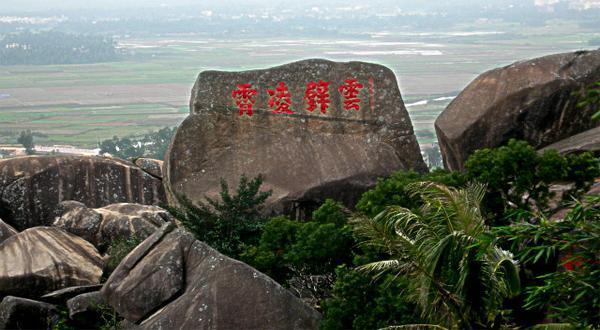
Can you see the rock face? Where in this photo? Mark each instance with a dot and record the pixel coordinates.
(85, 306)
(313, 128)
(172, 281)
(6, 231)
(43, 259)
(531, 100)
(20, 313)
(151, 166)
(582, 142)
(61, 296)
(31, 187)
(102, 225)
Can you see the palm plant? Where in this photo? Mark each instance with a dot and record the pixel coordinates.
(459, 276)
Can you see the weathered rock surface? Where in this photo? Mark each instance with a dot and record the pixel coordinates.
(31, 187)
(304, 155)
(172, 281)
(61, 296)
(102, 225)
(44, 259)
(85, 306)
(20, 313)
(6, 231)
(151, 166)
(531, 100)
(582, 142)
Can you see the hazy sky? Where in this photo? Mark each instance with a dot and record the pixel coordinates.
(28, 5)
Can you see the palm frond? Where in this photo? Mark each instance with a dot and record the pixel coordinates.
(459, 275)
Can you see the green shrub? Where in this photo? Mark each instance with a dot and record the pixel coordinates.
(392, 190)
(304, 255)
(358, 302)
(118, 249)
(230, 224)
(518, 177)
(569, 289)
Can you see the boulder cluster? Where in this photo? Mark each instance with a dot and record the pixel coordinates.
(538, 101)
(60, 214)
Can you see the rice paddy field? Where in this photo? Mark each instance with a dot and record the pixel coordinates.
(83, 104)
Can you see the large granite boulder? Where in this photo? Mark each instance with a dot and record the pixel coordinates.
(21, 313)
(44, 259)
(86, 309)
(172, 281)
(102, 225)
(31, 187)
(582, 142)
(6, 231)
(313, 128)
(151, 166)
(533, 100)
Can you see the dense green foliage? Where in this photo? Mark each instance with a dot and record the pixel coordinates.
(457, 277)
(359, 302)
(393, 190)
(423, 249)
(230, 224)
(300, 254)
(591, 98)
(570, 292)
(518, 177)
(53, 47)
(151, 145)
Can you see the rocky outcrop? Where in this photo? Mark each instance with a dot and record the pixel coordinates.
(582, 142)
(172, 281)
(31, 187)
(85, 306)
(151, 166)
(20, 313)
(533, 100)
(313, 128)
(43, 259)
(6, 231)
(61, 296)
(102, 225)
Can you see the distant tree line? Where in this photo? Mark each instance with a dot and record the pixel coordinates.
(151, 145)
(53, 47)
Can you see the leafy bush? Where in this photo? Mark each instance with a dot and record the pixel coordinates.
(230, 225)
(392, 190)
(570, 292)
(358, 302)
(304, 255)
(118, 250)
(591, 98)
(518, 177)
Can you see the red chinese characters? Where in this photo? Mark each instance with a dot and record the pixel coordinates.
(317, 93)
(280, 99)
(349, 91)
(244, 98)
